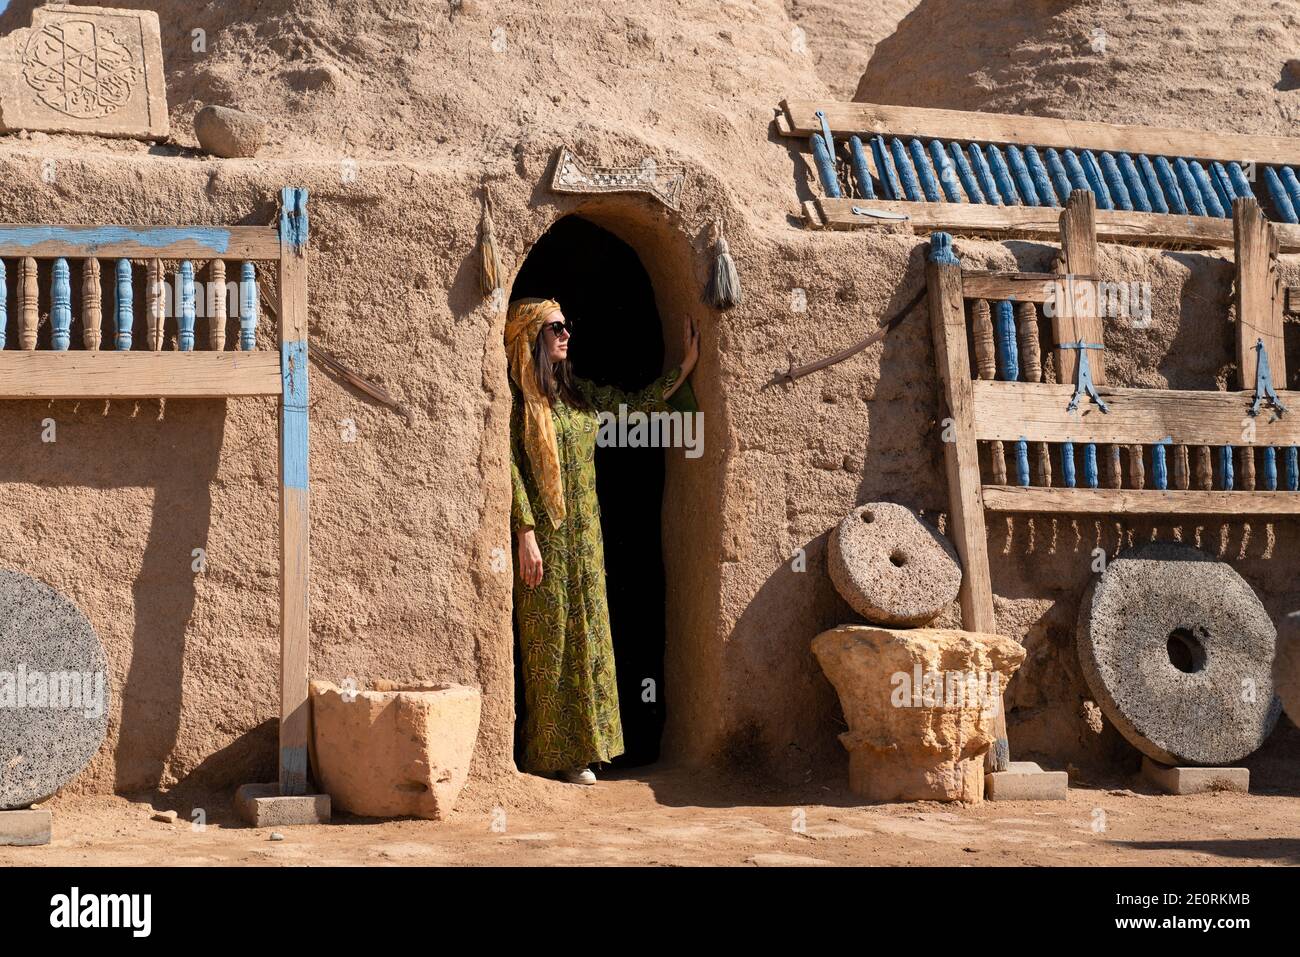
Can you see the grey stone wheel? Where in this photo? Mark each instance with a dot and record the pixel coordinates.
(891, 567)
(54, 693)
(1178, 652)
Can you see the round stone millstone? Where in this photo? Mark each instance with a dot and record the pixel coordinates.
(891, 567)
(1178, 652)
(53, 691)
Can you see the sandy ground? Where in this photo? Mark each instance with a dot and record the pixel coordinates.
(677, 818)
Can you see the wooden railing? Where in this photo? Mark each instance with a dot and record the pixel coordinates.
(1001, 174)
(54, 347)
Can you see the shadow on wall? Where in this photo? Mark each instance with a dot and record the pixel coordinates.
(128, 445)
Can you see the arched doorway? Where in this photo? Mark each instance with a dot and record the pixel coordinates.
(617, 340)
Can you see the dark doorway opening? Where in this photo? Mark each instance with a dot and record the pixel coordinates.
(609, 302)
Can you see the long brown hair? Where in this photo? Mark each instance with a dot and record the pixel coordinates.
(555, 379)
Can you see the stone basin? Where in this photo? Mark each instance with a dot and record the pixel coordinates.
(394, 750)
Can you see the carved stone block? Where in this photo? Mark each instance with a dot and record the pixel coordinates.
(85, 70)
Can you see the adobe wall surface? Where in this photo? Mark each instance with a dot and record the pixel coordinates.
(405, 520)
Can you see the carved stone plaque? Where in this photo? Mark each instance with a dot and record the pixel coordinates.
(664, 183)
(85, 70)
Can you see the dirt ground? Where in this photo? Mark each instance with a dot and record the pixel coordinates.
(669, 817)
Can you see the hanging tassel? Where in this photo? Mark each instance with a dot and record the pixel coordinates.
(490, 261)
(724, 283)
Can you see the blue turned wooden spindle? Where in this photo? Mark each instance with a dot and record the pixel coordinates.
(1223, 185)
(861, 175)
(247, 307)
(1285, 208)
(1292, 185)
(1191, 189)
(947, 173)
(185, 319)
(1211, 199)
(1225, 466)
(1137, 190)
(1020, 174)
(1151, 180)
(967, 176)
(1074, 169)
(921, 162)
(889, 184)
(978, 163)
(1090, 465)
(1159, 468)
(1004, 332)
(1042, 182)
(1002, 176)
(1067, 464)
(4, 304)
(1292, 469)
(1022, 463)
(1115, 182)
(1097, 180)
(903, 166)
(1240, 184)
(61, 306)
(1169, 184)
(1270, 468)
(123, 314)
(1060, 178)
(825, 166)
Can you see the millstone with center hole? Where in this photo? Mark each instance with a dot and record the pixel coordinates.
(1178, 652)
(891, 567)
(53, 691)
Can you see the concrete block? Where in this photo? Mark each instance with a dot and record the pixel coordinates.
(24, 828)
(1181, 780)
(262, 805)
(1026, 781)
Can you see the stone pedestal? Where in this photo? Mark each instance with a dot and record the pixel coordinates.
(262, 805)
(1181, 780)
(25, 828)
(919, 704)
(1026, 781)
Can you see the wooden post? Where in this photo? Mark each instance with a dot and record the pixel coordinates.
(1073, 321)
(295, 552)
(1259, 293)
(961, 463)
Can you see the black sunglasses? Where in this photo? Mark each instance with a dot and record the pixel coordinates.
(558, 327)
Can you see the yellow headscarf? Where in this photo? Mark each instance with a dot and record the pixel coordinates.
(524, 323)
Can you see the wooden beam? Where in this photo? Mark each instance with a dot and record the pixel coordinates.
(1040, 222)
(927, 124)
(1292, 299)
(295, 549)
(1076, 317)
(137, 375)
(1117, 501)
(1037, 412)
(140, 242)
(1259, 294)
(1015, 286)
(961, 463)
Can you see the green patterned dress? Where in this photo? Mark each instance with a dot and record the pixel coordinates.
(570, 696)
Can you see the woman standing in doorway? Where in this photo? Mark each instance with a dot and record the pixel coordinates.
(570, 695)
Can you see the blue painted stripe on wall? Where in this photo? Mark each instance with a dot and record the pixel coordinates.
(92, 237)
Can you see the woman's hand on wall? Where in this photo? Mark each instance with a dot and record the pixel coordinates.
(530, 559)
(691, 344)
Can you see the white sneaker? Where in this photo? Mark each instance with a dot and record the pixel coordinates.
(578, 776)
